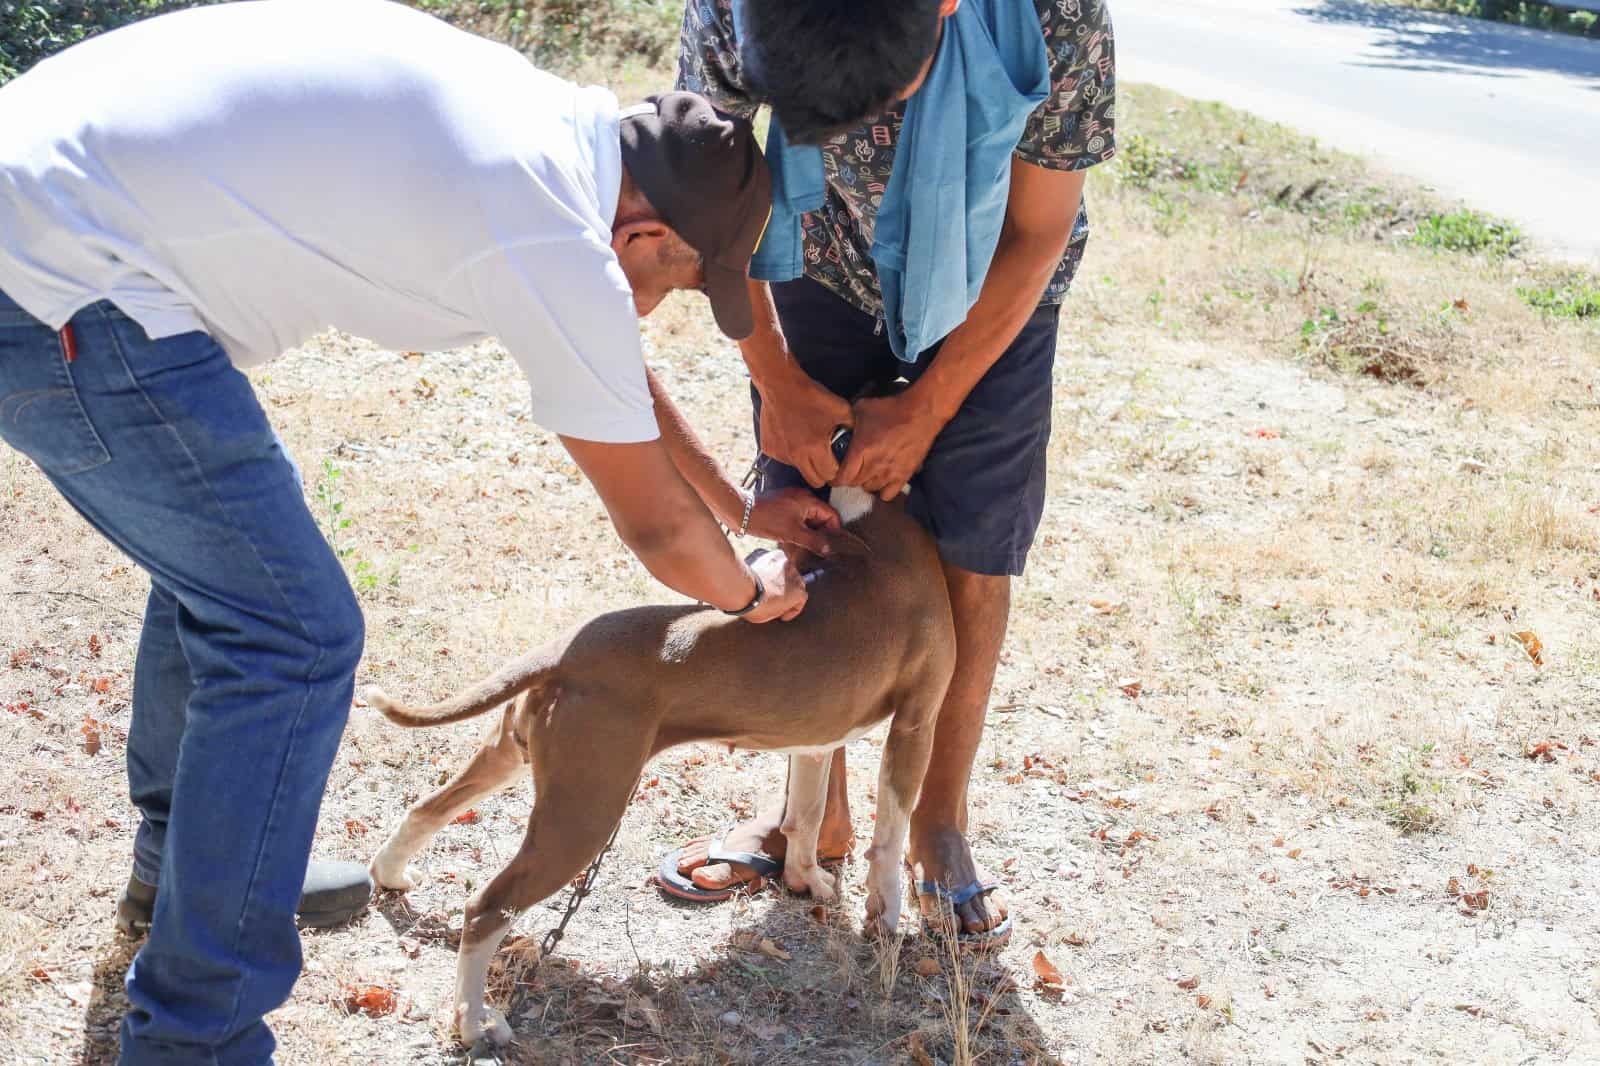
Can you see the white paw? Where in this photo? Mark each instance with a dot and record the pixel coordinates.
(393, 876)
(483, 1023)
(883, 898)
(883, 914)
(823, 885)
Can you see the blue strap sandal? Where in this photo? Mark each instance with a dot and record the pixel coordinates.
(951, 900)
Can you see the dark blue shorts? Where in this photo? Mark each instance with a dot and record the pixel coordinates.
(980, 492)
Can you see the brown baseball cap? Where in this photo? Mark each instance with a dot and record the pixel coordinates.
(704, 172)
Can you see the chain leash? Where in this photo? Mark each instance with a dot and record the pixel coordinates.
(582, 887)
(580, 892)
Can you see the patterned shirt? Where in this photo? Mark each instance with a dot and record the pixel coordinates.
(1071, 130)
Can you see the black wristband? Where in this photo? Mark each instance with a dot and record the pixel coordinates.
(755, 601)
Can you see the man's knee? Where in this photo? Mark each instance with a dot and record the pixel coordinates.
(343, 634)
(971, 590)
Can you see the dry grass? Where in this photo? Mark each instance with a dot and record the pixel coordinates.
(1315, 575)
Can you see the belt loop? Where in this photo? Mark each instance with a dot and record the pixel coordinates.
(69, 343)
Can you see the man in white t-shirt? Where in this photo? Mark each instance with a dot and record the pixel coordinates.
(195, 194)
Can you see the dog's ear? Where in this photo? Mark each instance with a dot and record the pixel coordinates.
(843, 544)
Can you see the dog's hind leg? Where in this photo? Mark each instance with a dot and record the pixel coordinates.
(802, 819)
(491, 766)
(906, 752)
(579, 801)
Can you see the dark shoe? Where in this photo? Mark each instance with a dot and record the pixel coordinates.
(334, 893)
(134, 909)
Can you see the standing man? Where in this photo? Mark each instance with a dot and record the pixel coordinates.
(900, 97)
(198, 193)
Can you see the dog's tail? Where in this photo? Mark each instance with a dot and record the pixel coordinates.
(532, 669)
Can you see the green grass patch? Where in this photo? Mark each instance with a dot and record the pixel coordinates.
(557, 34)
(1517, 12)
(1468, 231)
(1576, 296)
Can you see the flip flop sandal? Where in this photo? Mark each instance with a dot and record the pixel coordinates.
(675, 884)
(988, 940)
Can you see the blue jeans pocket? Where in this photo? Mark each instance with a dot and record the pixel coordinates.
(42, 417)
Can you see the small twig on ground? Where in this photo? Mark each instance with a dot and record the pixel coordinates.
(627, 931)
(68, 593)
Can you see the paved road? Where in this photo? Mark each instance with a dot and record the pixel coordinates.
(1505, 118)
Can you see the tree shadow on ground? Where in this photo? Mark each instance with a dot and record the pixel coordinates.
(1427, 41)
(797, 985)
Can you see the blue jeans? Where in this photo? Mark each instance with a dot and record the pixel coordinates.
(245, 666)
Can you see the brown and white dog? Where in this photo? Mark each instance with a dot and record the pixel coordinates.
(875, 642)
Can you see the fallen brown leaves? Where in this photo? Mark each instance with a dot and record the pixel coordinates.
(1360, 885)
(748, 941)
(1544, 751)
(1531, 644)
(1471, 902)
(90, 729)
(1047, 979)
(372, 1000)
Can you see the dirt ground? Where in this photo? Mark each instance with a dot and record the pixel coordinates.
(1292, 757)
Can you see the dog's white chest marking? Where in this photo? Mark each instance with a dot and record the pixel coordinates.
(851, 501)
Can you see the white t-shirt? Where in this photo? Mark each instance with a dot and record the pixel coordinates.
(263, 171)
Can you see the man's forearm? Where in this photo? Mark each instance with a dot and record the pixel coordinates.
(1021, 269)
(694, 462)
(765, 353)
(1039, 220)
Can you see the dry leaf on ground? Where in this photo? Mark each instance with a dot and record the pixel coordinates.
(372, 1000)
(1532, 645)
(1047, 978)
(91, 735)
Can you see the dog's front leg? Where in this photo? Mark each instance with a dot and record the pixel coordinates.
(802, 821)
(905, 762)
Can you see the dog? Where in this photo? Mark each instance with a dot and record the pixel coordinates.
(876, 642)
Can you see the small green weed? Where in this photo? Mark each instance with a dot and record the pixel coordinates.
(1359, 341)
(1143, 164)
(1410, 798)
(1467, 231)
(1576, 296)
(363, 575)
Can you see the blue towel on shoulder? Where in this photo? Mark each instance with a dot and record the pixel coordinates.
(943, 210)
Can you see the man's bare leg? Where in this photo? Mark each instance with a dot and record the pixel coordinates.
(938, 848)
(763, 834)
